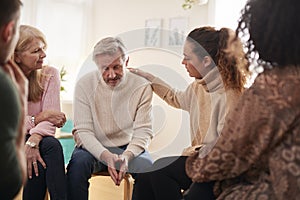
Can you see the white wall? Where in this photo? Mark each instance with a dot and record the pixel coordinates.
(117, 16)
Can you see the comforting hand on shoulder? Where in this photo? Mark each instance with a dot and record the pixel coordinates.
(141, 73)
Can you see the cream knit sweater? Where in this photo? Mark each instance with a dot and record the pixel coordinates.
(109, 117)
(207, 103)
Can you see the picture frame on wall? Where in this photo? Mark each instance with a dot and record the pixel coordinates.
(153, 32)
(177, 30)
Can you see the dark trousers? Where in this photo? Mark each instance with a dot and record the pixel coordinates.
(53, 177)
(166, 180)
(203, 191)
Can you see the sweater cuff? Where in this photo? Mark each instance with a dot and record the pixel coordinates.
(128, 154)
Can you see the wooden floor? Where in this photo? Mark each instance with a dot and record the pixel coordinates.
(101, 187)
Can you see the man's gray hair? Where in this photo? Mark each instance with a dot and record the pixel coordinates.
(110, 46)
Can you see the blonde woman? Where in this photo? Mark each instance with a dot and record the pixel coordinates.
(45, 161)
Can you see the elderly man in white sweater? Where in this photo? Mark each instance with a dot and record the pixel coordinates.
(112, 121)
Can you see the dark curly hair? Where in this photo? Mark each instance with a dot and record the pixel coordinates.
(214, 43)
(273, 31)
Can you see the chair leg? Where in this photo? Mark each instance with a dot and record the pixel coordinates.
(47, 195)
(128, 187)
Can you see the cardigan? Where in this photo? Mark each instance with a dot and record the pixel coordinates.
(106, 116)
(207, 103)
(50, 101)
(258, 154)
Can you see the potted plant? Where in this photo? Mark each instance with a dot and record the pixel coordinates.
(188, 4)
(62, 73)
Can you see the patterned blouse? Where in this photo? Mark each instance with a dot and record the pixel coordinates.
(257, 155)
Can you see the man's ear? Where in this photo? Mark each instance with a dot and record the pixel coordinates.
(8, 31)
(207, 61)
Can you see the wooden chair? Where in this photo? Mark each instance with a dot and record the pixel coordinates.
(47, 195)
(128, 183)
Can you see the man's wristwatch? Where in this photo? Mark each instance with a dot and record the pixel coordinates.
(31, 144)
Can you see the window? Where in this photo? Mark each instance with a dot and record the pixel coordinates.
(228, 12)
(66, 25)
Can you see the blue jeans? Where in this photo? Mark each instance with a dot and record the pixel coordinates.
(53, 177)
(83, 164)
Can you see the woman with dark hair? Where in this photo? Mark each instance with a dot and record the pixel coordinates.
(219, 81)
(257, 156)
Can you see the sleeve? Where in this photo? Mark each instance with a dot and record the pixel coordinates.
(11, 176)
(173, 97)
(142, 127)
(50, 101)
(28, 123)
(245, 136)
(84, 133)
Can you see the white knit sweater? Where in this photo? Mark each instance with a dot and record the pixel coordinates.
(109, 117)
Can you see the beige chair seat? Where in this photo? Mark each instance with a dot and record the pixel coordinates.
(128, 183)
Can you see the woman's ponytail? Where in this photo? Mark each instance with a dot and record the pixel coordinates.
(232, 61)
